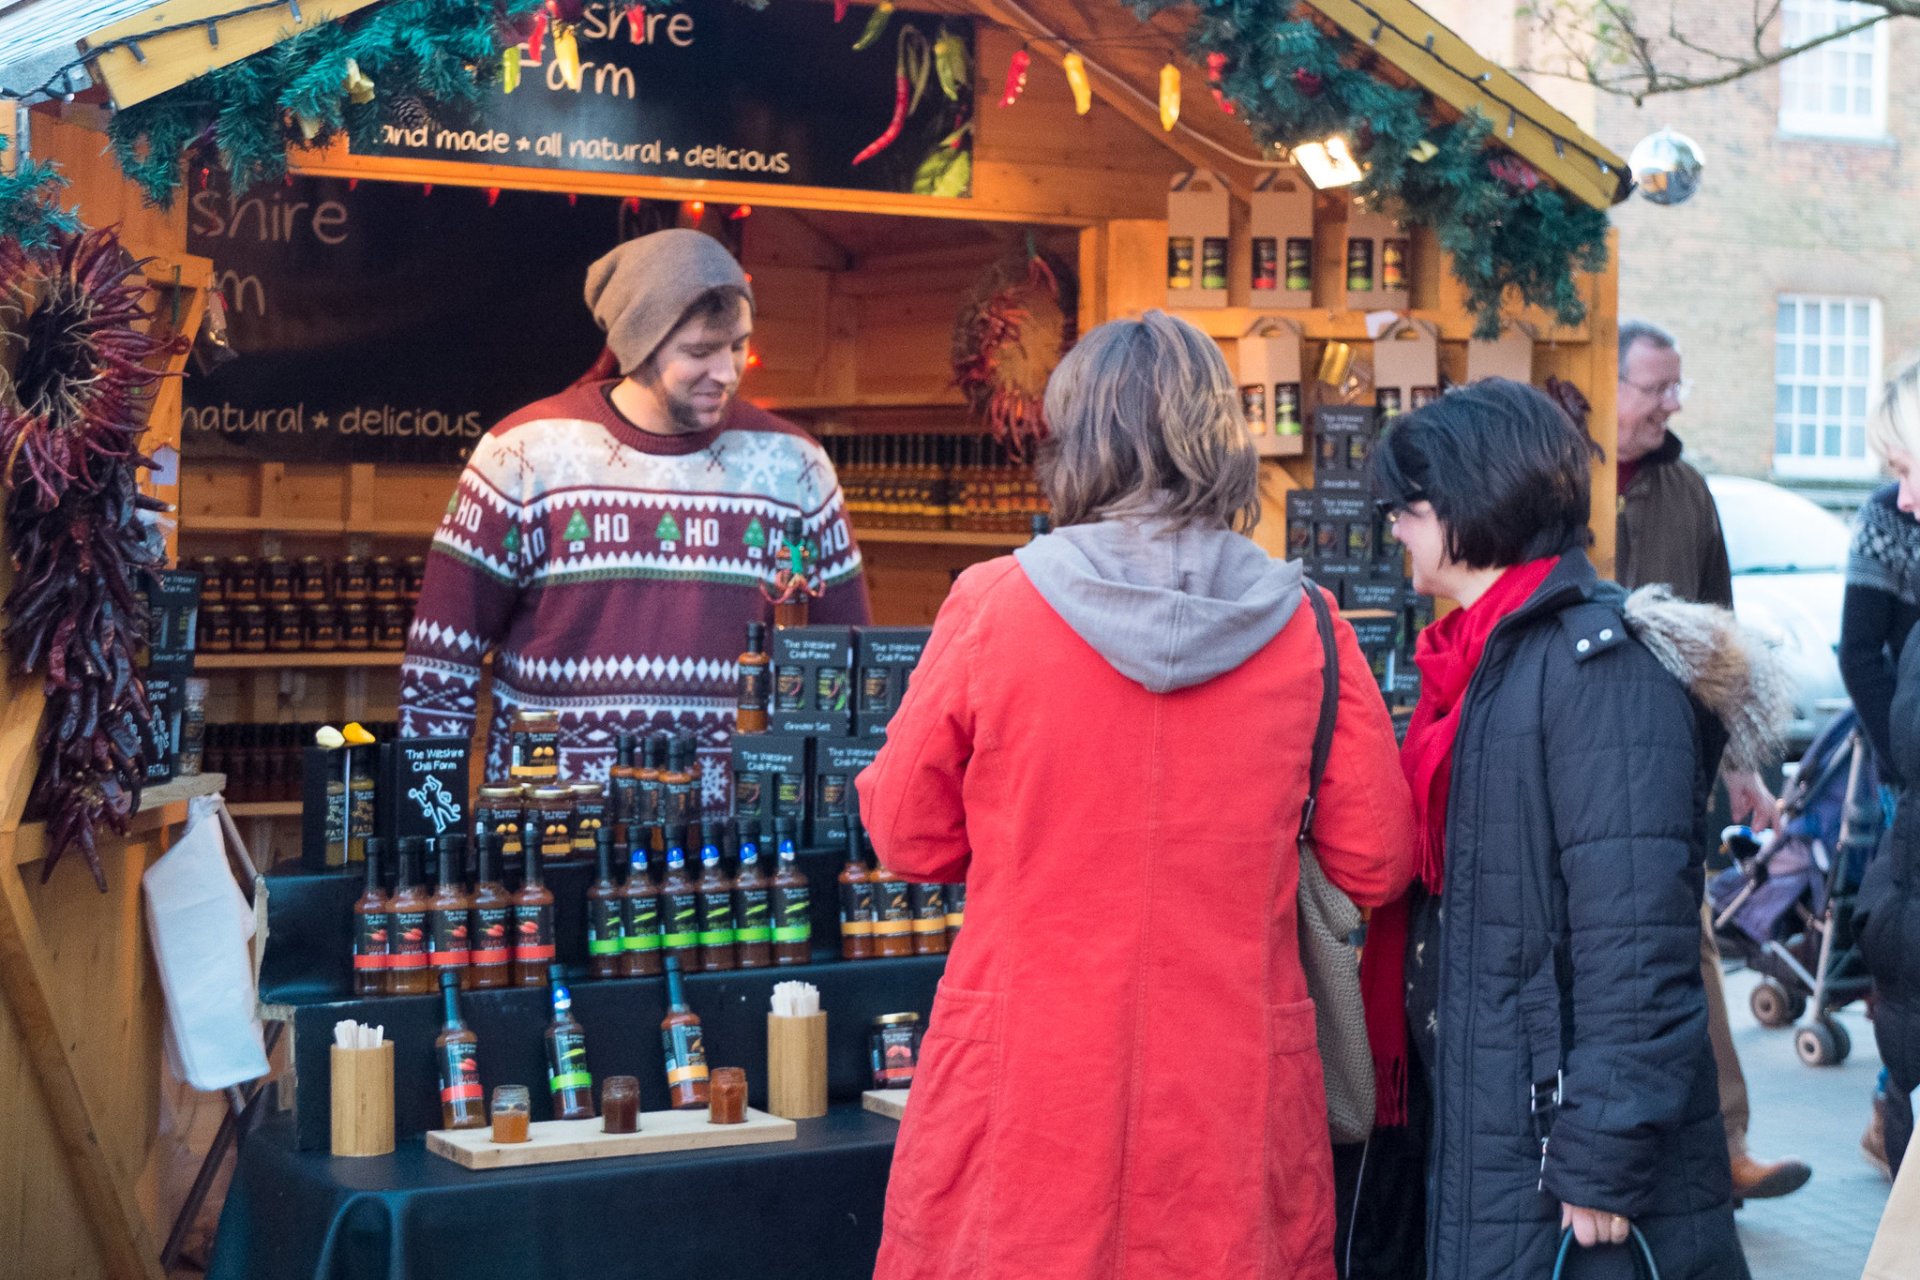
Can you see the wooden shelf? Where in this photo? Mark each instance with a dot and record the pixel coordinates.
(1317, 324)
(1363, 615)
(337, 658)
(200, 784)
(163, 805)
(944, 537)
(192, 524)
(265, 809)
(1274, 446)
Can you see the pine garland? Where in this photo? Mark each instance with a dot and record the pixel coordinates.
(30, 212)
(1500, 223)
(252, 111)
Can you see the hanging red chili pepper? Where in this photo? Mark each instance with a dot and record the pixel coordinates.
(902, 87)
(913, 64)
(839, 9)
(1016, 77)
(537, 37)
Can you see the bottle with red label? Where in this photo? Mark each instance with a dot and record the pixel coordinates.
(490, 925)
(372, 929)
(456, 1051)
(532, 916)
(450, 913)
(408, 972)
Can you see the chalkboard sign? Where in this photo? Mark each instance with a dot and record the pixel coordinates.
(378, 323)
(421, 788)
(714, 89)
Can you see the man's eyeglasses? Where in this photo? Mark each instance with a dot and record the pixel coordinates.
(1677, 390)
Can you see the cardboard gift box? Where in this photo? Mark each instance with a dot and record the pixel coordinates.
(769, 778)
(1343, 438)
(1270, 389)
(812, 682)
(1199, 216)
(1406, 368)
(1280, 235)
(833, 800)
(885, 659)
(1379, 262)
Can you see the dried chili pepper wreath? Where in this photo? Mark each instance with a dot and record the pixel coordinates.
(74, 397)
(1010, 334)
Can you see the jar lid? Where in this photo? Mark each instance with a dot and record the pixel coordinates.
(500, 791)
(240, 562)
(549, 793)
(593, 789)
(896, 1019)
(537, 717)
(287, 610)
(313, 562)
(354, 606)
(383, 561)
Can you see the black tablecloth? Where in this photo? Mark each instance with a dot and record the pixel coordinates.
(803, 1210)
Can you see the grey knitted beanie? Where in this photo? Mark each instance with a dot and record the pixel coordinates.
(639, 291)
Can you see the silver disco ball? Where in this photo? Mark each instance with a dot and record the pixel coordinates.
(1666, 167)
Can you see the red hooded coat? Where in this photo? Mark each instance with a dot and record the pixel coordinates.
(1119, 1078)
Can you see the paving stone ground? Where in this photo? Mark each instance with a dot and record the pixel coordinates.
(1822, 1231)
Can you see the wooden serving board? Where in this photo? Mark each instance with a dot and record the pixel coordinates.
(891, 1103)
(558, 1141)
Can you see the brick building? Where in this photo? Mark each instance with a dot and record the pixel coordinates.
(1793, 278)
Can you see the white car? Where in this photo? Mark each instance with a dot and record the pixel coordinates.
(1789, 560)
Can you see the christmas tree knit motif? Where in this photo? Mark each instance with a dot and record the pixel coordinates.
(576, 535)
(756, 535)
(668, 530)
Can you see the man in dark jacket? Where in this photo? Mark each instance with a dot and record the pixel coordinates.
(1889, 906)
(1669, 532)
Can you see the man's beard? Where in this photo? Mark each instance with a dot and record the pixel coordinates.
(687, 418)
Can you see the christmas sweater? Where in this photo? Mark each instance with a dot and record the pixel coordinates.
(611, 574)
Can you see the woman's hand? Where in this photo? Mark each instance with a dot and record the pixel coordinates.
(1593, 1226)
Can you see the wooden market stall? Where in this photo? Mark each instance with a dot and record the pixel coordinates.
(858, 292)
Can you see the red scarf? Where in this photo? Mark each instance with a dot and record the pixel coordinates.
(1447, 653)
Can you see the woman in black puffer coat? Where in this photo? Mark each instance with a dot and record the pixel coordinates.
(1889, 901)
(1560, 763)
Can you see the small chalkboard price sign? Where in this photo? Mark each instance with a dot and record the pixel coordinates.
(422, 788)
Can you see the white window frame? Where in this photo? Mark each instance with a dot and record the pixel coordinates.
(1822, 466)
(1828, 124)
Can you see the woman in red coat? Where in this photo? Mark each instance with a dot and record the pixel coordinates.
(1108, 740)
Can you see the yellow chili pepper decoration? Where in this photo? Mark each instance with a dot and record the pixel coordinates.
(566, 48)
(356, 736)
(359, 84)
(1169, 97)
(1076, 68)
(510, 69)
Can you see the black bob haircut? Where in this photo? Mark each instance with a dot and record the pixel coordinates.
(1506, 470)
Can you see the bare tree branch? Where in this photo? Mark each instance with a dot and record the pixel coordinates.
(1599, 43)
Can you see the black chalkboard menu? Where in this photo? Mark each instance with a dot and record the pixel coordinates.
(375, 322)
(717, 89)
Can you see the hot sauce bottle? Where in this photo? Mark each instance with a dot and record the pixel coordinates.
(490, 927)
(856, 901)
(456, 1051)
(372, 929)
(677, 784)
(750, 716)
(791, 908)
(532, 917)
(623, 784)
(606, 927)
(568, 1079)
(929, 904)
(653, 787)
(790, 580)
(686, 1051)
(892, 913)
(715, 890)
(449, 914)
(679, 904)
(407, 971)
(640, 943)
(956, 910)
(752, 907)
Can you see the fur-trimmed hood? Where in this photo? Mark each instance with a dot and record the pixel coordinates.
(1733, 672)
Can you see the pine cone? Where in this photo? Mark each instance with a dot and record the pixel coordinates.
(409, 112)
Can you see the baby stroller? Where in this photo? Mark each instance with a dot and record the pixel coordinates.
(1785, 906)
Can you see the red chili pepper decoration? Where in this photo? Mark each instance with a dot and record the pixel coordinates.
(1016, 77)
(1216, 69)
(537, 37)
(902, 88)
(839, 10)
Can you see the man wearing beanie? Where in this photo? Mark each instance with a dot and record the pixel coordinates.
(608, 545)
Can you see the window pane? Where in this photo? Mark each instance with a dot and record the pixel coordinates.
(1856, 442)
(1832, 406)
(1809, 402)
(1856, 402)
(1857, 361)
(1861, 319)
(1782, 436)
(1782, 399)
(1806, 448)
(1836, 360)
(1830, 445)
(1837, 319)
(1782, 361)
(1810, 319)
(1783, 320)
(1810, 360)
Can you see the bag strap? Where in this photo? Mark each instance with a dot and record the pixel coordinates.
(1642, 1253)
(1329, 706)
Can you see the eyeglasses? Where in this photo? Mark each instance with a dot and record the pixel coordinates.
(1391, 509)
(1677, 390)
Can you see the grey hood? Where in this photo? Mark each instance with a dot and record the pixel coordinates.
(1167, 608)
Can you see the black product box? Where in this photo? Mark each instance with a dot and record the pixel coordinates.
(769, 777)
(166, 681)
(812, 682)
(1378, 590)
(1379, 639)
(1343, 437)
(420, 789)
(173, 608)
(1300, 508)
(339, 797)
(887, 657)
(1344, 530)
(836, 763)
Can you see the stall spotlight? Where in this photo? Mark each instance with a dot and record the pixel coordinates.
(1328, 164)
(696, 209)
(742, 211)
(753, 360)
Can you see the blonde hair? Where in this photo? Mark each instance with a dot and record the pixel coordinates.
(1895, 423)
(1144, 420)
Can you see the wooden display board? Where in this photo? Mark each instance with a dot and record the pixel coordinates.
(561, 1141)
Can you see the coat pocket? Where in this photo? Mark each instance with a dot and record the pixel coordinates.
(1299, 1154)
(937, 1196)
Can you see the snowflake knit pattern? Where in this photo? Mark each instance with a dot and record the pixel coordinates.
(612, 573)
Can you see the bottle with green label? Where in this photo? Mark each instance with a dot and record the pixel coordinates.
(568, 1079)
(714, 892)
(606, 924)
(679, 904)
(752, 906)
(640, 931)
(789, 902)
